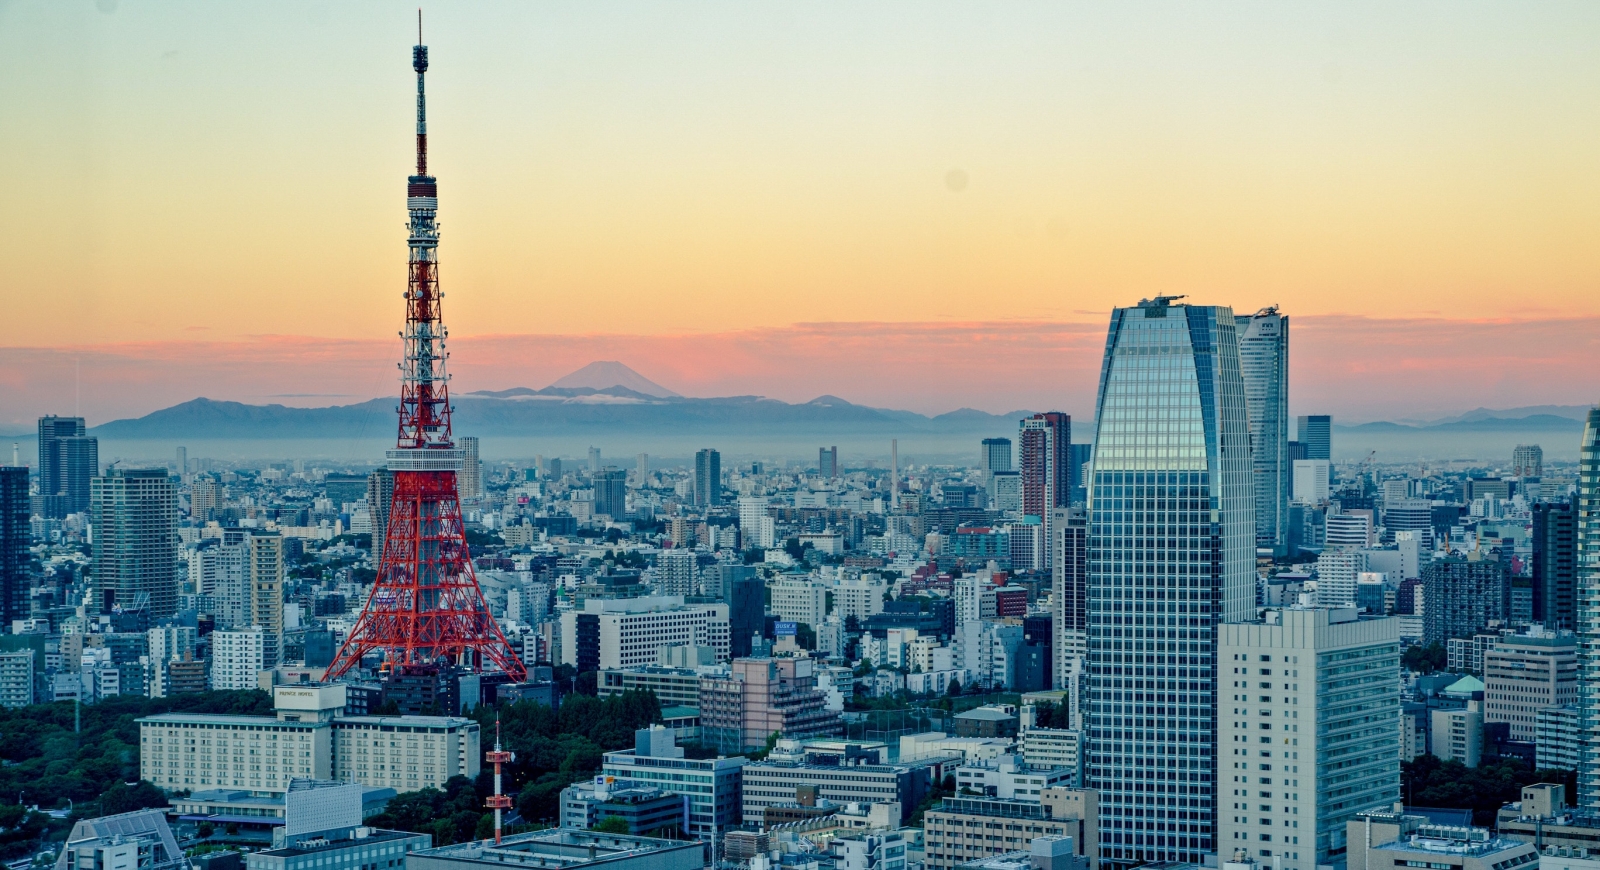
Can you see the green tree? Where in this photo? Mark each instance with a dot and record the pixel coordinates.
(1425, 659)
(613, 825)
(123, 798)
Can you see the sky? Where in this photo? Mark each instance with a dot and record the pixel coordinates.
(922, 206)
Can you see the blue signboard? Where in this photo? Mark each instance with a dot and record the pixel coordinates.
(780, 629)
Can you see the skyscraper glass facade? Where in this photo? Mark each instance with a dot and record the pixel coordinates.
(1264, 364)
(1171, 555)
(1588, 533)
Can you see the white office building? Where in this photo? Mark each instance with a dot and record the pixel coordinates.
(630, 631)
(1311, 481)
(1308, 730)
(755, 525)
(1054, 748)
(860, 597)
(798, 598)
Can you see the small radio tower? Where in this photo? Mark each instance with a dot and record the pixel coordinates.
(426, 609)
(497, 801)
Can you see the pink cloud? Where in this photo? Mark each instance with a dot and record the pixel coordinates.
(1355, 367)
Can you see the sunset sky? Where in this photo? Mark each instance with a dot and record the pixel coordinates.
(924, 205)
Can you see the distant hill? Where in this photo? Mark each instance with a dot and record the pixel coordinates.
(557, 411)
(1477, 423)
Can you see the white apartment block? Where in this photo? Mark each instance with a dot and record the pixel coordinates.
(755, 526)
(16, 678)
(1308, 730)
(1337, 572)
(798, 599)
(237, 657)
(306, 738)
(860, 597)
(676, 573)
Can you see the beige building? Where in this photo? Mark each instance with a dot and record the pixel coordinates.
(405, 753)
(265, 570)
(764, 696)
(970, 828)
(1457, 735)
(1526, 673)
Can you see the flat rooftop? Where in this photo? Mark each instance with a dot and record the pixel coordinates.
(559, 847)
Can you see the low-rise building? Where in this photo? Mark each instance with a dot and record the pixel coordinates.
(1043, 853)
(646, 809)
(563, 848)
(964, 829)
(712, 786)
(1396, 841)
(847, 780)
(990, 720)
(672, 686)
(140, 839)
(16, 678)
(1010, 777)
(1054, 747)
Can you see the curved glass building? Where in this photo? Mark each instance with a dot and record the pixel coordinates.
(1171, 555)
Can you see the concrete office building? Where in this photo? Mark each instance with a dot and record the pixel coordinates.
(798, 598)
(1069, 580)
(1311, 481)
(967, 828)
(1399, 841)
(1526, 673)
(768, 783)
(1264, 365)
(1171, 476)
(135, 513)
(1055, 747)
(672, 686)
(645, 808)
(712, 785)
(625, 633)
(1309, 731)
(1527, 460)
(996, 455)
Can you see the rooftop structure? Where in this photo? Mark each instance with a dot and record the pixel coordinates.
(563, 848)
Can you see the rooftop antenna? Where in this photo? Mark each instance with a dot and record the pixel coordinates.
(500, 801)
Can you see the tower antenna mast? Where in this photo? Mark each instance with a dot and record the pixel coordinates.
(426, 611)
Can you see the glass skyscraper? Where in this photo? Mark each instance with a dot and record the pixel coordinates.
(1171, 555)
(1587, 505)
(1264, 363)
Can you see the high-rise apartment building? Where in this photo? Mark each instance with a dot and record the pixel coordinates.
(996, 455)
(14, 534)
(1462, 595)
(641, 468)
(611, 492)
(756, 527)
(1308, 731)
(1587, 507)
(594, 460)
(68, 459)
(1264, 364)
(471, 475)
(380, 497)
(1555, 565)
(828, 462)
(1044, 452)
(676, 572)
(266, 570)
(760, 696)
(1316, 436)
(1069, 590)
(1171, 557)
(205, 497)
(1527, 460)
(708, 479)
(134, 512)
(237, 656)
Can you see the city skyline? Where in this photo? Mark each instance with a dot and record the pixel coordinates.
(1001, 173)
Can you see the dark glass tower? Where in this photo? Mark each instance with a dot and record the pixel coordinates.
(68, 459)
(1316, 436)
(707, 478)
(1171, 555)
(14, 515)
(1555, 563)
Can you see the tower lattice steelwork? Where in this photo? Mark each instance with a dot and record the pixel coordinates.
(426, 608)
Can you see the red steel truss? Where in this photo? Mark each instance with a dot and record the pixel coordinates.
(426, 607)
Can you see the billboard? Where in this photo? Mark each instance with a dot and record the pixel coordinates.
(781, 629)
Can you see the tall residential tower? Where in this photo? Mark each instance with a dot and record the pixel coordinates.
(1171, 557)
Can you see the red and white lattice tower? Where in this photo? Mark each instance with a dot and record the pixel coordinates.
(426, 608)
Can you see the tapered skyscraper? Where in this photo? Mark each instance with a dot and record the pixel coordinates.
(1588, 522)
(1264, 363)
(1171, 555)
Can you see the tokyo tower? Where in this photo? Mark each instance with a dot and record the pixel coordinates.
(426, 609)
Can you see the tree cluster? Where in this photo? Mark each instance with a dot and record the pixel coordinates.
(96, 769)
(1432, 782)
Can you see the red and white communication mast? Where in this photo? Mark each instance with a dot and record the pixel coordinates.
(426, 609)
